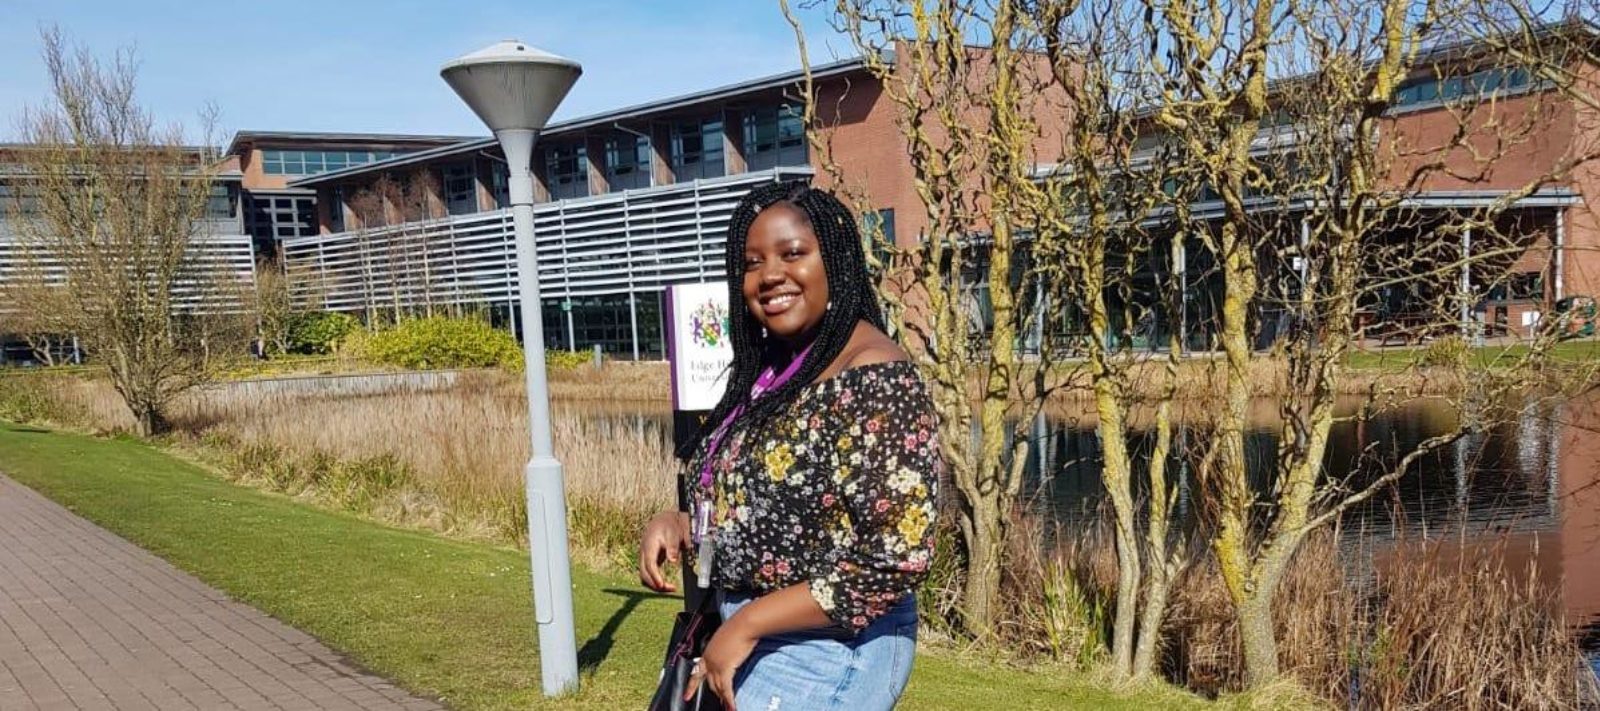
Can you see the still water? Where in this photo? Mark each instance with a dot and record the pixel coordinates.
(1526, 487)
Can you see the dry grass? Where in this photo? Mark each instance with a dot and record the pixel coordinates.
(1420, 631)
(1461, 632)
(446, 460)
(617, 381)
(1432, 632)
(1317, 613)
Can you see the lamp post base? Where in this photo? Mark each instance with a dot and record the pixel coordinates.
(552, 575)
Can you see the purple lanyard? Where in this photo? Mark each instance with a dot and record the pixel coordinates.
(768, 380)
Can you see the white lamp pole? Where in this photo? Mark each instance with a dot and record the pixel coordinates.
(514, 88)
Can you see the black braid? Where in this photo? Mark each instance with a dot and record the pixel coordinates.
(850, 292)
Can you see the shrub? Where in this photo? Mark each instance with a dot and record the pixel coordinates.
(319, 332)
(440, 342)
(37, 398)
(1447, 352)
(565, 360)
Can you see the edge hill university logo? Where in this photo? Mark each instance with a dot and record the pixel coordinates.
(709, 325)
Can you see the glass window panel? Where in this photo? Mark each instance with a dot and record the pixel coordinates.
(791, 129)
(1450, 89)
(1486, 81)
(336, 210)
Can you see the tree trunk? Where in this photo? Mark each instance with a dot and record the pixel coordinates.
(1157, 584)
(1258, 636)
(985, 553)
(152, 421)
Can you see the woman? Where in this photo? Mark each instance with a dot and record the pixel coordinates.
(814, 478)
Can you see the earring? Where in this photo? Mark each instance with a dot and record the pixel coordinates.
(830, 306)
(763, 332)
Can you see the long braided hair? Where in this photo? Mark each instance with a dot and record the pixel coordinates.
(850, 293)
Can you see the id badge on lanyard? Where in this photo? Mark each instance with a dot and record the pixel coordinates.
(700, 523)
(707, 547)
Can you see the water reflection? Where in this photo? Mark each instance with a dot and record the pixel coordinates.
(1527, 488)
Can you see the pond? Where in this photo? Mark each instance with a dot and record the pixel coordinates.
(1527, 487)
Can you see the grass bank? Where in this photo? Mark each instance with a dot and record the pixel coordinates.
(446, 618)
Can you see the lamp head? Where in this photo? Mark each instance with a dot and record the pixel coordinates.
(512, 85)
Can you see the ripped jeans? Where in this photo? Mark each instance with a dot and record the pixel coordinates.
(817, 670)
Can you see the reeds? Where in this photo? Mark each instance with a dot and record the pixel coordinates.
(1424, 629)
(448, 460)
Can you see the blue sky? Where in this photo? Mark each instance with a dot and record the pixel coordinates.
(364, 65)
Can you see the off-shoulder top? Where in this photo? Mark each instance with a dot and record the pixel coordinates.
(838, 492)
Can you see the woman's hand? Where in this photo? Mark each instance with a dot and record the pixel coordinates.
(728, 650)
(664, 537)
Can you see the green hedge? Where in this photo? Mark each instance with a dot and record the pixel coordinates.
(439, 342)
(319, 332)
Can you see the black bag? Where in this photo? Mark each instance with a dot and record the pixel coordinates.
(691, 632)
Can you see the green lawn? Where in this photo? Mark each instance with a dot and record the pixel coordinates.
(1400, 358)
(444, 618)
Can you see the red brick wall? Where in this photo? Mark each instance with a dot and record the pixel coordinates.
(254, 178)
(862, 127)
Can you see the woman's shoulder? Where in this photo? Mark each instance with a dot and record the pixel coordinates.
(871, 346)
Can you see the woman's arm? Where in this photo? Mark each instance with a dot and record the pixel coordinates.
(790, 609)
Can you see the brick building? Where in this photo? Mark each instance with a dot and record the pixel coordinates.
(635, 199)
(627, 202)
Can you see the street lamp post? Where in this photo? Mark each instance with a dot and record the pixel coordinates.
(514, 88)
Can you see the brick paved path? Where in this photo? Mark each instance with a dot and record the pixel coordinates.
(90, 621)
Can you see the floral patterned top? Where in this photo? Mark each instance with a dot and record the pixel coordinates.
(838, 492)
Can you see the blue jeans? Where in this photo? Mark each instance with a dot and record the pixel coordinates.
(814, 670)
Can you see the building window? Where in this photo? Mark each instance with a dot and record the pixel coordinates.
(336, 210)
(773, 137)
(220, 203)
(460, 190)
(877, 234)
(1488, 82)
(553, 316)
(628, 162)
(268, 218)
(19, 199)
(1522, 286)
(499, 185)
(566, 171)
(278, 162)
(697, 149)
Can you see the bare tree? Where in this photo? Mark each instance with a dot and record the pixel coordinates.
(1236, 176)
(371, 213)
(968, 119)
(273, 306)
(397, 272)
(114, 226)
(1321, 206)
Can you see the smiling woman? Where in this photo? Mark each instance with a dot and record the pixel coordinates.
(814, 496)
